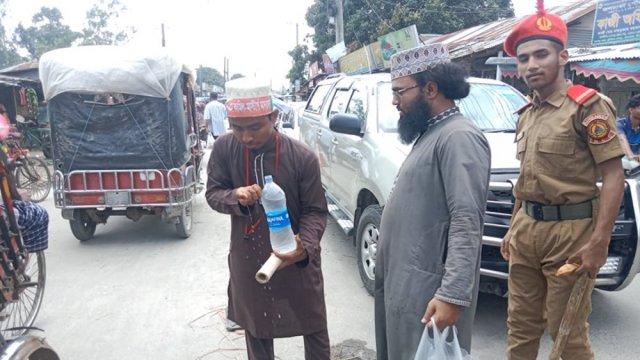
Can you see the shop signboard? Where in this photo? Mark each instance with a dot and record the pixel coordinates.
(314, 69)
(336, 51)
(327, 64)
(616, 22)
(375, 54)
(355, 62)
(393, 42)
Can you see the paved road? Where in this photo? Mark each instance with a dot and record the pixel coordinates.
(136, 291)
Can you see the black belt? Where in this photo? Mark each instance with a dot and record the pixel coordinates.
(542, 212)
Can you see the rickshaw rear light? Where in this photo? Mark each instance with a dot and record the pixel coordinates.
(151, 198)
(147, 176)
(85, 199)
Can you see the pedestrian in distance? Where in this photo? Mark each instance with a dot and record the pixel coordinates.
(428, 258)
(215, 115)
(629, 132)
(292, 303)
(566, 142)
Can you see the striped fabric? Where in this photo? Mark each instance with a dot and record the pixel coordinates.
(33, 221)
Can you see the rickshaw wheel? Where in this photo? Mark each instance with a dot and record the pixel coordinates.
(185, 221)
(83, 227)
(21, 313)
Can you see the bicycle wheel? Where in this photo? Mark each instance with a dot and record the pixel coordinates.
(34, 175)
(21, 313)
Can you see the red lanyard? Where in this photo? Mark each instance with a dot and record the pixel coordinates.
(248, 230)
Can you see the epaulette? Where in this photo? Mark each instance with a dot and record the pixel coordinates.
(581, 94)
(522, 109)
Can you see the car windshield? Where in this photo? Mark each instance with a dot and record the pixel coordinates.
(490, 106)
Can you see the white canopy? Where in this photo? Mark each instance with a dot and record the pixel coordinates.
(109, 69)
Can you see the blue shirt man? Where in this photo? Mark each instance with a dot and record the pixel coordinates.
(632, 135)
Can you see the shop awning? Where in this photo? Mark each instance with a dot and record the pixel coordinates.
(621, 62)
(622, 70)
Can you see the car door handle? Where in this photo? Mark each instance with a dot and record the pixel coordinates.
(335, 141)
(356, 155)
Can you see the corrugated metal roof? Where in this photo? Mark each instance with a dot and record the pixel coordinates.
(9, 81)
(486, 36)
(627, 51)
(30, 65)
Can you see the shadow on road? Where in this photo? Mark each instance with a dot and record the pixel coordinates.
(120, 230)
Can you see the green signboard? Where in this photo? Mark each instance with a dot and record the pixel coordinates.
(403, 39)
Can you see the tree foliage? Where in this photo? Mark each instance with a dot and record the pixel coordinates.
(210, 76)
(47, 33)
(366, 20)
(300, 55)
(8, 54)
(99, 18)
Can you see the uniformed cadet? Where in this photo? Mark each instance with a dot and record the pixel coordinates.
(566, 142)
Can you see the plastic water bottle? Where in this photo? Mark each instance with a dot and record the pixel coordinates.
(275, 205)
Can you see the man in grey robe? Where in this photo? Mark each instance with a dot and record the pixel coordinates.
(431, 228)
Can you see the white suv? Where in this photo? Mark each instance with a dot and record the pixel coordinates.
(351, 124)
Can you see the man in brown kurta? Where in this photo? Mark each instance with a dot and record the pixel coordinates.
(292, 303)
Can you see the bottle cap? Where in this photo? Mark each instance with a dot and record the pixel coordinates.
(268, 179)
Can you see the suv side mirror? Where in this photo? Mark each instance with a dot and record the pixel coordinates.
(346, 124)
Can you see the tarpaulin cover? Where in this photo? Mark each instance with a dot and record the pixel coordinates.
(142, 133)
(138, 71)
(622, 69)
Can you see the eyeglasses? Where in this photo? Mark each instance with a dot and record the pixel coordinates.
(398, 93)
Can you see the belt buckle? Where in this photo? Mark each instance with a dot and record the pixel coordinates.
(538, 214)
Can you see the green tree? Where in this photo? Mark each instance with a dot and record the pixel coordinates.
(318, 18)
(365, 20)
(47, 33)
(210, 76)
(438, 16)
(98, 28)
(236, 76)
(8, 54)
(300, 55)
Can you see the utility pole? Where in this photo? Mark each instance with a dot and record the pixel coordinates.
(297, 43)
(339, 22)
(163, 42)
(225, 72)
(199, 75)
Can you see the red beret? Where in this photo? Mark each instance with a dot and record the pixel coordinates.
(539, 26)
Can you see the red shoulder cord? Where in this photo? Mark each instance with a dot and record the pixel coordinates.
(248, 230)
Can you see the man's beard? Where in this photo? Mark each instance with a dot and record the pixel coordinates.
(414, 121)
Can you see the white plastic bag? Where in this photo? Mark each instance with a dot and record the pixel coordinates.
(438, 348)
(210, 141)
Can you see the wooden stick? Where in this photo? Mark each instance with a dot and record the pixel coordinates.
(266, 271)
(577, 294)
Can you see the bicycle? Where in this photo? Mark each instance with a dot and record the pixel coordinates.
(34, 136)
(22, 274)
(31, 173)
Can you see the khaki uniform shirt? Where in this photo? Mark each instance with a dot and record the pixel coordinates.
(560, 143)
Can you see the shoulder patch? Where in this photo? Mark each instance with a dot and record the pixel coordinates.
(522, 109)
(598, 128)
(580, 94)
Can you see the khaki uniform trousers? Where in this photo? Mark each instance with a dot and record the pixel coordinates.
(537, 298)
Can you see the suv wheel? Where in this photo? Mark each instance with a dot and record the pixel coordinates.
(367, 245)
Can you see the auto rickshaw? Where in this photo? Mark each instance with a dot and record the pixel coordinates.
(124, 135)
